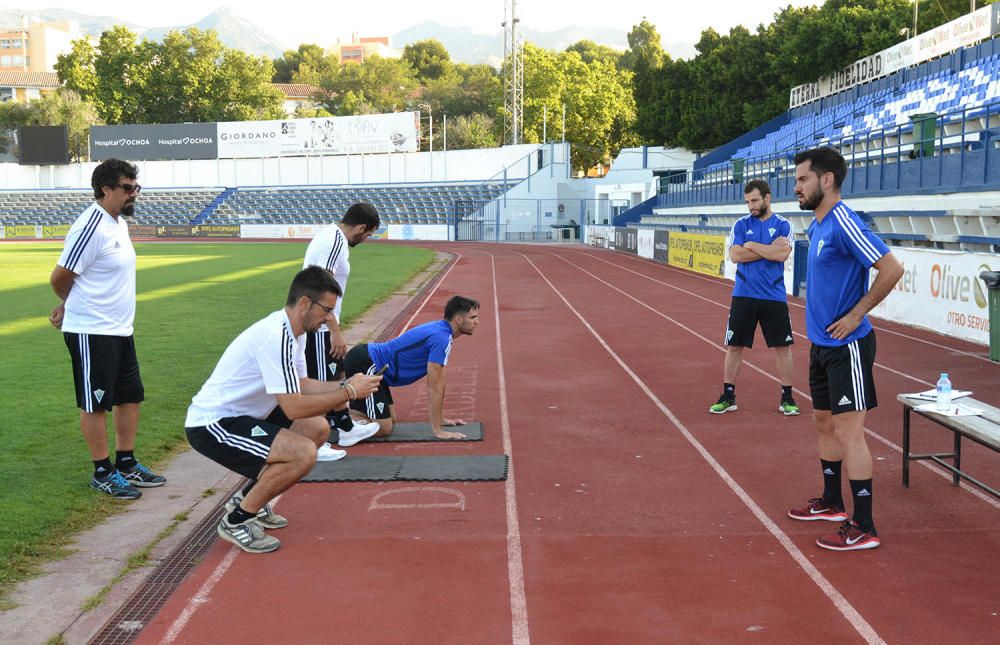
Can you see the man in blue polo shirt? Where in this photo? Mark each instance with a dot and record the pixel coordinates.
(841, 251)
(760, 243)
(419, 352)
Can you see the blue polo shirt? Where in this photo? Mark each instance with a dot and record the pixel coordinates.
(761, 279)
(841, 251)
(407, 355)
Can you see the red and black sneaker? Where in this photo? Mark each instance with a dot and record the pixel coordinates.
(849, 537)
(817, 509)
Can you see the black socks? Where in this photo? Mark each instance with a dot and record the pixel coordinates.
(831, 483)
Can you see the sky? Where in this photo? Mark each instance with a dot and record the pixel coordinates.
(323, 22)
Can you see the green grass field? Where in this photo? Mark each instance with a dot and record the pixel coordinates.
(193, 299)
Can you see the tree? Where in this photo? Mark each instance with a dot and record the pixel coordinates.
(376, 85)
(590, 51)
(190, 76)
(472, 131)
(428, 58)
(645, 58)
(292, 61)
(65, 107)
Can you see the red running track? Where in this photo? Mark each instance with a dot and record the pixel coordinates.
(630, 514)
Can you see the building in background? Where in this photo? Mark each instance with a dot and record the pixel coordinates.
(362, 47)
(34, 46)
(26, 86)
(297, 95)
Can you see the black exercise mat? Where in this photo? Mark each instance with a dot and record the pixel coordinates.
(435, 468)
(422, 432)
(355, 469)
(464, 468)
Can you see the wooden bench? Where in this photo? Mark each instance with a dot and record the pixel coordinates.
(984, 430)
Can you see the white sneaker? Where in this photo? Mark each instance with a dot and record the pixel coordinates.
(359, 432)
(326, 452)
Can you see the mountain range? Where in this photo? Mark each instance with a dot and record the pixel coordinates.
(239, 33)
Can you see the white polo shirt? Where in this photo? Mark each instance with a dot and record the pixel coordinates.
(329, 249)
(262, 362)
(99, 251)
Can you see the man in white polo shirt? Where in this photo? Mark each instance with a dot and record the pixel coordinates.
(259, 414)
(95, 279)
(326, 347)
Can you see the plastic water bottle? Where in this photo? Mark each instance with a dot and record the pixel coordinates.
(943, 392)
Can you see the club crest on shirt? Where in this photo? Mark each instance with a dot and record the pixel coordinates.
(771, 231)
(819, 247)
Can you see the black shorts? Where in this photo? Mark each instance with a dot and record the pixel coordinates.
(375, 405)
(746, 313)
(105, 371)
(840, 378)
(320, 366)
(241, 444)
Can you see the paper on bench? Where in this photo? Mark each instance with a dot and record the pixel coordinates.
(957, 410)
(931, 395)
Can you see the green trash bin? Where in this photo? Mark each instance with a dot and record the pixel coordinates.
(738, 171)
(924, 133)
(992, 280)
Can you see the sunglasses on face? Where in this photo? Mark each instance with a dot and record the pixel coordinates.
(130, 188)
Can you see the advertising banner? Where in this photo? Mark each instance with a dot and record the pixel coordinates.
(55, 231)
(23, 232)
(645, 242)
(599, 235)
(961, 32)
(262, 231)
(217, 230)
(661, 246)
(152, 142)
(175, 230)
(701, 253)
(364, 134)
(437, 232)
(141, 230)
(624, 239)
(941, 291)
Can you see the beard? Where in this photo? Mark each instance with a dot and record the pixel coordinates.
(128, 209)
(810, 202)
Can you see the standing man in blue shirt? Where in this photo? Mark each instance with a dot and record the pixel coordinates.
(760, 243)
(841, 251)
(422, 351)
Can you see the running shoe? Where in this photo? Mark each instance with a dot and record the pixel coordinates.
(142, 477)
(724, 404)
(267, 517)
(249, 536)
(115, 485)
(850, 537)
(788, 408)
(326, 452)
(359, 432)
(817, 509)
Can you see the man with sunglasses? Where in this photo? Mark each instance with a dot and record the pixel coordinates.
(95, 280)
(261, 416)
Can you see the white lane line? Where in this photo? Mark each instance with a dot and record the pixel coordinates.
(201, 597)
(515, 565)
(937, 471)
(677, 270)
(857, 621)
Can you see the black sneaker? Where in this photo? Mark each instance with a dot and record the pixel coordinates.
(139, 475)
(725, 404)
(115, 485)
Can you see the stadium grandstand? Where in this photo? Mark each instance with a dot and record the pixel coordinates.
(923, 152)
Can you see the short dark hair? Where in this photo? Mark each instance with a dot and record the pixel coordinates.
(312, 282)
(823, 160)
(758, 184)
(459, 305)
(108, 172)
(362, 213)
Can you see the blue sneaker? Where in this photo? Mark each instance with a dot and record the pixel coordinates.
(139, 475)
(115, 485)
